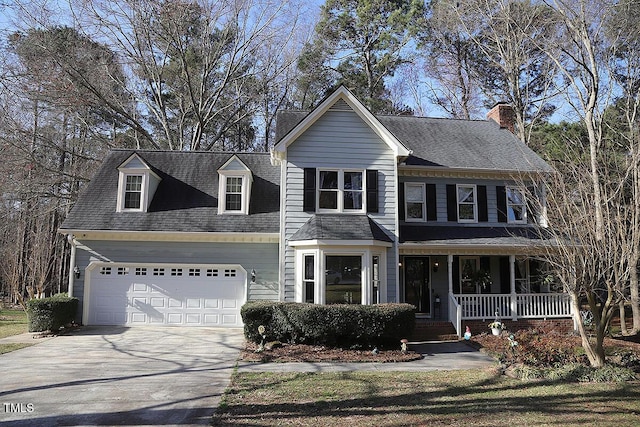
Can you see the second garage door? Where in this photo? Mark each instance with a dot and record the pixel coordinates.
(178, 295)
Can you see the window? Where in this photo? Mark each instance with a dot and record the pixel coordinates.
(137, 184)
(308, 278)
(141, 271)
(414, 194)
(340, 190)
(158, 271)
(234, 189)
(469, 267)
(523, 284)
(233, 195)
(176, 272)
(375, 279)
(122, 271)
(516, 206)
(343, 277)
(230, 273)
(211, 272)
(194, 272)
(133, 192)
(467, 207)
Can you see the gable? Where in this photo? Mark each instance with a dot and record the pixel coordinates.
(340, 100)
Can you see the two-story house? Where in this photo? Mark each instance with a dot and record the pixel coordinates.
(348, 207)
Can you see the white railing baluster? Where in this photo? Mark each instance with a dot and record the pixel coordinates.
(531, 306)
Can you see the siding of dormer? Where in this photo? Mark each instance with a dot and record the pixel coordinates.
(339, 139)
(441, 198)
(235, 165)
(135, 163)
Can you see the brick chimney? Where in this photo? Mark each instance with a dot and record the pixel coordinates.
(503, 114)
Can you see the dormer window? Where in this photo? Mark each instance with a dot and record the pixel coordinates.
(235, 187)
(133, 192)
(233, 197)
(136, 185)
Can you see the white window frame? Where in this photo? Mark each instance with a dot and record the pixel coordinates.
(475, 203)
(122, 190)
(523, 205)
(150, 181)
(341, 191)
(306, 279)
(422, 187)
(367, 276)
(245, 178)
(127, 176)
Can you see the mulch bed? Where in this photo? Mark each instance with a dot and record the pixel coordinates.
(312, 353)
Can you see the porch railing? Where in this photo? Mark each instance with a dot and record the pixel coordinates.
(512, 306)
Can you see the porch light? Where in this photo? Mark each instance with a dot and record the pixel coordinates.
(76, 272)
(253, 275)
(436, 266)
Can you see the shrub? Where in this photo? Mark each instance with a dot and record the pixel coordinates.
(50, 314)
(336, 325)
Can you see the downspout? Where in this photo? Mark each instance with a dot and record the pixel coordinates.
(72, 263)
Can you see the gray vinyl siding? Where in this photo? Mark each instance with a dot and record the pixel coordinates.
(441, 197)
(261, 257)
(339, 140)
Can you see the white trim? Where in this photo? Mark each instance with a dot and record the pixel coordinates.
(423, 187)
(340, 243)
(277, 152)
(86, 300)
(340, 191)
(172, 236)
(523, 194)
(321, 252)
(145, 191)
(246, 180)
(475, 203)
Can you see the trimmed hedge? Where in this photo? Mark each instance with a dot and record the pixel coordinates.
(337, 325)
(50, 314)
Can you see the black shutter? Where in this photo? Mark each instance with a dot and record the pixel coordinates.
(401, 213)
(432, 209)
(452, 203)
(309, 189)
(501, 194)
(483, 214)
(372, 190)
(455, 273)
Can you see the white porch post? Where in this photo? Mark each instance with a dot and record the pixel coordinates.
(450, 272)
(512, 283)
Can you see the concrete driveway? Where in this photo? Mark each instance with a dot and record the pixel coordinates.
(119, 376)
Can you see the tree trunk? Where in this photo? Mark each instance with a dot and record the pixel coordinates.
(623, 320)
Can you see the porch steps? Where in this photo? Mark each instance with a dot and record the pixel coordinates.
(433, 330)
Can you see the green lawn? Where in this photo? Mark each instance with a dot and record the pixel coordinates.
(12, 322)
(445, 398)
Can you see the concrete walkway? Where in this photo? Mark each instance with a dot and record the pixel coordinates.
(118, 376)
(438, 356)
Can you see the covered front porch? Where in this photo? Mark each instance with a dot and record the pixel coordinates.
(478, 286)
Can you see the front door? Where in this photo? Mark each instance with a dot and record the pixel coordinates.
(417, 287)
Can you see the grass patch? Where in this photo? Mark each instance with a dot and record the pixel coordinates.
(6, 348)
(452, 398)
(13, 322)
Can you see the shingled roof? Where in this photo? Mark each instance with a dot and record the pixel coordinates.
(341, 227)
(449, 143)
(186, 199)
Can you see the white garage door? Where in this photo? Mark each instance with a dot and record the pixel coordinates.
(181, 295)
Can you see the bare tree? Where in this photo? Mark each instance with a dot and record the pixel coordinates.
(513, 67)
(624, 63)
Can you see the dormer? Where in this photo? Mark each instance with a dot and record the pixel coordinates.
(137, 184)
(234, 189)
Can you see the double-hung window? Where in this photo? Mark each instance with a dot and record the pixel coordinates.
(516, 205)
(467, 203)
(233, 194)
(341, 191)
(414, 194)
(133, 192)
